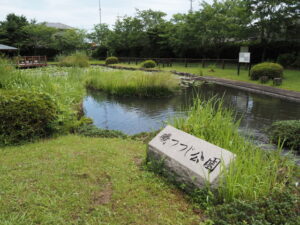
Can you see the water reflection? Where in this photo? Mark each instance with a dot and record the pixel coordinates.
(133, 115)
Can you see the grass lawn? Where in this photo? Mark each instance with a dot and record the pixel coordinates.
(291, 77)
(78, 180)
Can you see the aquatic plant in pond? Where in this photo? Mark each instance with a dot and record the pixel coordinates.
(133, 83)
(288, 132)
(255, 173)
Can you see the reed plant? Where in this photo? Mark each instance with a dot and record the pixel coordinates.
(255, 173)
(133, 83)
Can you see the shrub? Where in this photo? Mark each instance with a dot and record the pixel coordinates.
(93, 131)
(77, 59)
(25, 116)
(297, 62)
(148, 64)
(279, 208)
(286, 59)
(271, 70)
(287, 131)
(264, 79)
(111, 60)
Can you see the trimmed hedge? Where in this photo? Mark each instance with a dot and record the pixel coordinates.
(111, 60)
(148, 64)
(271, 70)
(288, 130)
(25, 116)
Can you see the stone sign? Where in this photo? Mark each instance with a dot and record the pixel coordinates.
(190, 160)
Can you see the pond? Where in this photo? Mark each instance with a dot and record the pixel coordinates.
(133, 115)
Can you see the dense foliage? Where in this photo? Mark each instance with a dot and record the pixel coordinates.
(93, 131)
(148, 64)
(74, 60)
(266, 69)
(279, 208)
(111, 60)
(286, 132)
(26, 116)
(214, 30)
(34, 38)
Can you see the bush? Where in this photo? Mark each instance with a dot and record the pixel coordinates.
(148, 64)
(287, 131)
(297, 62)
(74, 60)
(93, 131)
(264, 79)
(111, 60)
(286, 59)
(279, 208)
(25, 116)
(271, 70)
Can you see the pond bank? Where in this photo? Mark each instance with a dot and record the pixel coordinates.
(254, 88)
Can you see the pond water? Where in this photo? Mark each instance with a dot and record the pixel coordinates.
(134, 115)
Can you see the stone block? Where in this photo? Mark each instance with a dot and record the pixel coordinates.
(187, 159)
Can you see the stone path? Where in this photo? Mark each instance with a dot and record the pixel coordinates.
(256, 88)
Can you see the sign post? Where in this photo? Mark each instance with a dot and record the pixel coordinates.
(244, 57)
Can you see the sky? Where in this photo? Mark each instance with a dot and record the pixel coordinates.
(84, 14)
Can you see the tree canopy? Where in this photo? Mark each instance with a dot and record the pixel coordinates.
(216, 30)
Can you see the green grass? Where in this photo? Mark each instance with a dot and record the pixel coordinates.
(77, 59)
(133, 83)
(78, 180)
(64, 84)
(291, 78)
(255, 173)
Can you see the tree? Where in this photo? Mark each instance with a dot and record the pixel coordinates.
(66, 41)
(38, 36)
(11, 30)
(272, 18)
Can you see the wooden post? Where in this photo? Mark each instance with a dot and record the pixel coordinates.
(239, 67)
(203, 63)
(186, 64)
(249, 69)
(223, 64)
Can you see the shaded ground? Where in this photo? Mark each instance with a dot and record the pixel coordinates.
(77, 180)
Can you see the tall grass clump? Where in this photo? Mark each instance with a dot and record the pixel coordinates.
(77, 59)
(254, 173)
(6, 70)
(64, 85)
(133, 83)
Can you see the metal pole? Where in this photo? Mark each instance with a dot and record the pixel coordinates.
(100, 13)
